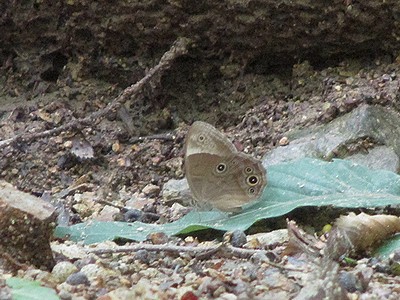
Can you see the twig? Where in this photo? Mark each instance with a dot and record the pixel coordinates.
(240, 252)
(178, 48)
(199, 251)
(161, 136)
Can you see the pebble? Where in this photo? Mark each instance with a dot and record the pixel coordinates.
(93, 272)
(142, 256)
(78, 278)
(259, 258)
(132, 215)
(151, 190)
(107, 213)
(116, 147)
(68, 144)
(64, 295)
(62, 270)
(158, 238)
(238, 238)
(268, 238)
(284, 141)
(386, 77)
(228, 296)
(349, 281)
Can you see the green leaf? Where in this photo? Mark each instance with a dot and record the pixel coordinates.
(23, 289)
(388, 247)
(306, 182)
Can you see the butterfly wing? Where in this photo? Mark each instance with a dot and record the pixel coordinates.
(204, 138)
(242, 182)
(218, 175)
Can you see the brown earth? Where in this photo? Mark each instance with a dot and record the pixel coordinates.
(256, 69)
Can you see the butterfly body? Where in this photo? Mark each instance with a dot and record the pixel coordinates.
(218, 175)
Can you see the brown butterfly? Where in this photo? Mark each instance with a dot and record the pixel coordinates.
(218, 175)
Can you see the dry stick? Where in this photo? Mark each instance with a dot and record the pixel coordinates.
(243, 253)
(224, 249)
(161, 136)
(178, 48)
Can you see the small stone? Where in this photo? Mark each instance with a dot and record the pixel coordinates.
(151, 190)
(349, 281)
(107, 213)
(78, 278)
(62, 270)
(386, 77)
(259, 258)
(149, 217)
(116, 147)
(189, 295)
(175, 164)
(82, 209)
(338, 88)
(132, 215)
(177, 191)
(395, 256)
(227, 296)
(96, 272)
(124, 162)
(219, 291)
(284, 141)
(58, 139)
(349, 80)
(138, 202)
(64, 295)
(158, 238)
(268, 238)
(156, 160)
(178, 211)
(189, 239)
(68, 249)
(142, 256)
(253, 244)
(238, 238)
(68, 144)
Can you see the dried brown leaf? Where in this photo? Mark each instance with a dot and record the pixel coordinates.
(300, 242)
(81, 148)
(359, 233)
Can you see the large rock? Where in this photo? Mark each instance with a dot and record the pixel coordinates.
(265, 33)
(26, 226)
(177, 191)
(334, 140)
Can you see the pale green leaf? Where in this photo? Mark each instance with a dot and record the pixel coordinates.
(23, 289)
(306, 182)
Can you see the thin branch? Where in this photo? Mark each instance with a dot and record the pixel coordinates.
(240, 252)
(160, 136)
(178, 48)
(198, 251)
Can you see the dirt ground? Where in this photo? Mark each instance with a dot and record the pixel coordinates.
(133, 151)
(255, 110)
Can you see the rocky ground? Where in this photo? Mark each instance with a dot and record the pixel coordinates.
(96, 171)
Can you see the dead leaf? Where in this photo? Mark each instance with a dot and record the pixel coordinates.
(359, 233)
(300, 242)
(81, 148)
